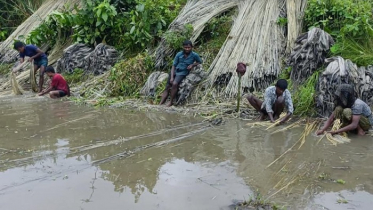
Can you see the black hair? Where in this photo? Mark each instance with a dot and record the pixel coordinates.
(18, 45)
(50, 69)
(187, 42)
(282, 84)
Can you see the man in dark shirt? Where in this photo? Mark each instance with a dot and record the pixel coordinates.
(36, 55)
(59, 87)
(354, 114)
(184, 62)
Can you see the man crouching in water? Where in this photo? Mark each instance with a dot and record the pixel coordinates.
(58, 87)
(275, 99)
(355, 114)
(184, 62)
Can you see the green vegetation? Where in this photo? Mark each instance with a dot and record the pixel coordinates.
(282, 21)
(258, 202)
(350, 24)
(341, 181)
(104, 21)
(76, 77)
(213, 37)
(128, 76)
(304, 98)
(5, 68)
(175, 39)
(13, 13)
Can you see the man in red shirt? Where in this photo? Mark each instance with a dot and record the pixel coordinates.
(59, 87)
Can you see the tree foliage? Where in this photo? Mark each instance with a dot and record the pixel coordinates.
(130, 24)
(350, 22)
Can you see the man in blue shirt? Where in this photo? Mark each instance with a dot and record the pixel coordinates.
(184, 62)
(36, 55)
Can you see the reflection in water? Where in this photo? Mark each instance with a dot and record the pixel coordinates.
(55, 155)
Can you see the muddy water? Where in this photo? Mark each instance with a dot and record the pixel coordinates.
(56, 155)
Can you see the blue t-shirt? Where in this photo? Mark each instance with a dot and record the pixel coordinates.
(181, 62)
(30, 50)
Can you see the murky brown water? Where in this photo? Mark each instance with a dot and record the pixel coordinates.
(56, 155)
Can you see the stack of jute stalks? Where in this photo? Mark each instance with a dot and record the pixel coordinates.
(16, 88)
(338, 138)
(269, 125)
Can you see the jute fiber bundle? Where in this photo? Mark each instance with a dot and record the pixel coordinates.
(152, 83)
(97, 61)
(295, 12)
(197, 13)
(341, 71)
(101, 59)
(255, 38)
(309, 54)
(73, 57)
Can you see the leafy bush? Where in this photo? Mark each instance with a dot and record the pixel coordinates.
(13, 13)
(128, 76)
(351, 18)
(349, 22)
(130, 24)
(76, 77)
(175, 39)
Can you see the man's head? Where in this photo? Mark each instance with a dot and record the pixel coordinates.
(50, 71)
(187, 46)
(19, 46)
(281, 86)
(345, 96)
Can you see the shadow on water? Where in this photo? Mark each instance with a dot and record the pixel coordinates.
(56, 155)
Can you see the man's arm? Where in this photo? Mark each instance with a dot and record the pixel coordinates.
(289, 106)
(197, 61)
(352, 126)
(49, 89)
(268, 105)
(327, 124)
(38, 54)
(172, 74)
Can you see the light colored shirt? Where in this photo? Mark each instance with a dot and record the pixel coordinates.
(270, 97)
(361, 108)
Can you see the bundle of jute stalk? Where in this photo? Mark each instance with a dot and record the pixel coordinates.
(338, 138)
(309, 53)
(268, 124)
(16, 88)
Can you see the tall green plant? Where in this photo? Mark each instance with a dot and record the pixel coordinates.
(340, 17)
(14, 12)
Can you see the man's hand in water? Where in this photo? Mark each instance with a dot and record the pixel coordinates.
(30, 59)
(332, 132)
(190, 67)
(319, 132)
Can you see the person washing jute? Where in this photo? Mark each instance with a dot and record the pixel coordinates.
(275, 99)
(35, 54)
(58, 87)
(355, 114)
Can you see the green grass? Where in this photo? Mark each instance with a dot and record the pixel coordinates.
(13, 13)
(304, 96)
(76, 77)
(358, 51)
(5, 68)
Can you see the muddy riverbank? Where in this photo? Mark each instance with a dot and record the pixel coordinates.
(57, 155)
